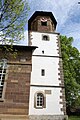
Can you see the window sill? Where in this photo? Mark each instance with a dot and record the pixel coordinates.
(39, 107)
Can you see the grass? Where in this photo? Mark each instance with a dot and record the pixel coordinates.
(74, 118)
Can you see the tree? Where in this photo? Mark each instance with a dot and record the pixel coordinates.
(13, 17)
(71, 66)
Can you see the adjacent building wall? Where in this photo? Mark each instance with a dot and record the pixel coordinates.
(16, 88)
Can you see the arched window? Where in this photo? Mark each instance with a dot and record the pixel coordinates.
(3, 66)
(40, 100)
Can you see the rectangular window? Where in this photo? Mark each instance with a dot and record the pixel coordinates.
(42, 72)
(3, 66)
(39, 100)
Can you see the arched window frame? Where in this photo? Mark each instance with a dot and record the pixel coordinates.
(39, 101)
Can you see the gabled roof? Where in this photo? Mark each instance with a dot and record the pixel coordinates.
(42, 13)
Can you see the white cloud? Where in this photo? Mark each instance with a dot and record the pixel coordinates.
(59, 8)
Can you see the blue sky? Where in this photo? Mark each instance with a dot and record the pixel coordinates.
(66, 12)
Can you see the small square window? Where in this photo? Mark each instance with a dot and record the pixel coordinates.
(45, 37)
(42, 72)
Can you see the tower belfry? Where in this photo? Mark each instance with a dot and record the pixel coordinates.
(47, 98)
(42, 22)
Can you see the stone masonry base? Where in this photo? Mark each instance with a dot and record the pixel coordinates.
(48, 117)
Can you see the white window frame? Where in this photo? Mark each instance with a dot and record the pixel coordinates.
(3, 67)
(39, 101)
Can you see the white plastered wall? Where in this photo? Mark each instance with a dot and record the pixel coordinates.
(50, 65)
(53, 106)
(49, 61)
(50, 47)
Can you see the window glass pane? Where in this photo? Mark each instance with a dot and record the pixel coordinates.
(3, 77)
(4, 71)
(42, 51)
(40, 98)
(42, 72)
(45, 37)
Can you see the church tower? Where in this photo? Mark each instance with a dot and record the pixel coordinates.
(47, 98)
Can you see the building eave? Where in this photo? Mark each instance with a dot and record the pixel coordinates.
(19, 47)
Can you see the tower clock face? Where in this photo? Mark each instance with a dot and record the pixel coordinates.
(43, 19)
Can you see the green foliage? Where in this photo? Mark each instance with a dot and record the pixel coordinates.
(8, 52)
(13, 17)
(71, 66)
(74, 118)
